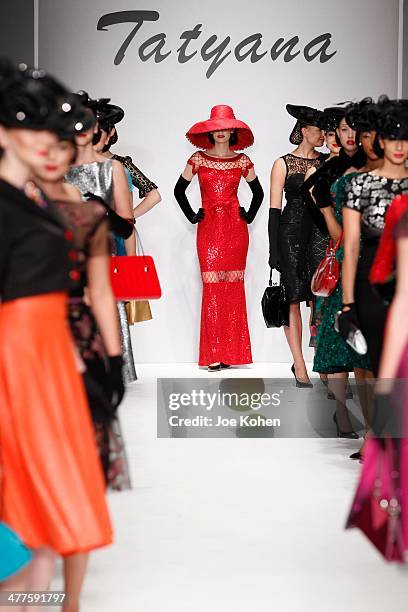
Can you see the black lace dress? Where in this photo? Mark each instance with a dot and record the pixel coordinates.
(371, 195)
(88, 224)
(297, 245)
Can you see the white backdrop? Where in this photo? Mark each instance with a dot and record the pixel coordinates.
(162, 100)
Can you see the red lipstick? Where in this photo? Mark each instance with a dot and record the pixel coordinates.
(51, 167)
(351, 142)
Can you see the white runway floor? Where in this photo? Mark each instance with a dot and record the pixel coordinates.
(235, 525)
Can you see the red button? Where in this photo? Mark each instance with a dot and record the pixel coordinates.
(68, 235)
(73, 256)
(74, 275)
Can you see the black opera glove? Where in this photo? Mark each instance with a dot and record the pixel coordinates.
(91, 196)
(199, 216)
(257, 198)
(182, 200)
(347, 320)
(119, 225)
(348, 326)
(308, 184)
(243, 214)
(116, 384)
(311, 206)
(322, 194)
(273, 231)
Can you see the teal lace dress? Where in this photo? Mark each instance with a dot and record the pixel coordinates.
(333, 354)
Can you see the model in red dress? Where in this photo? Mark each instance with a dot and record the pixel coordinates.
(222, 234)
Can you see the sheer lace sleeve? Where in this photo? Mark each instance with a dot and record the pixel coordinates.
(88, 224)
(139, 180)
(246, 165)
(195, 161)
(99, 240)
(357, 197)
(82, 218)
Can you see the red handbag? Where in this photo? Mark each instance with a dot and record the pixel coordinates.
(326, 276)
(134, 277)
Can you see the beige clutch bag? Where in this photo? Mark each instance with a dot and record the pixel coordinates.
(137, 311)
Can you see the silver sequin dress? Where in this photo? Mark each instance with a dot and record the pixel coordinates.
(97, 178)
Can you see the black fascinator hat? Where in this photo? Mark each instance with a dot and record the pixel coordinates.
(305, 115)
(330, 118)
(361, 116)
(32, 99)
(105, 113)
(391, 118)
(86, 101)
(108, 114)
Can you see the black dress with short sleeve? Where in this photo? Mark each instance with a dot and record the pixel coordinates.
(89, 225)
(34, 234)
(371, 195)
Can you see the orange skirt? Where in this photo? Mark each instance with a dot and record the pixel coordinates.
(53, 486)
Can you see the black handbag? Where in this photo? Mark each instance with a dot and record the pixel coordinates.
(275, 306)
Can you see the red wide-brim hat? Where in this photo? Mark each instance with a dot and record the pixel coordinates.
(222, 118)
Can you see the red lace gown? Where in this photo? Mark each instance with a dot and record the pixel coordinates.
(222, 246)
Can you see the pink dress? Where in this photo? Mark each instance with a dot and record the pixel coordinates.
(380, 505)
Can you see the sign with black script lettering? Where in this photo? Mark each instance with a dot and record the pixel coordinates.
(252, 48)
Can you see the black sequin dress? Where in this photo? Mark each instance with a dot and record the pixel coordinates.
(296, 244)
(371, 195)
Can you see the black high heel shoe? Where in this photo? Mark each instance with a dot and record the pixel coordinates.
(350, 435)
(225, 366)
(299, 383)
